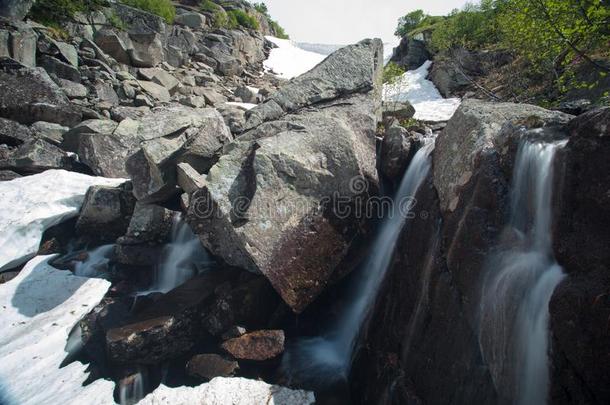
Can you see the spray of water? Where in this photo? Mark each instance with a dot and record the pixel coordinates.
(96, 262)
(327, 359)
(521, 278)
(131, 389)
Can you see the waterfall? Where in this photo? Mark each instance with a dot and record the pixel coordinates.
(131, 389)
(520, 281)
(96, 262)
(325, 359)
(183, 257)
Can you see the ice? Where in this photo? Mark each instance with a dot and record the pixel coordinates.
(422, 94)
(29, 205)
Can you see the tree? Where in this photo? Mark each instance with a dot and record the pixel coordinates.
(409, 22)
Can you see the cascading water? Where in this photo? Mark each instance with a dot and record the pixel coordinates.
(96, 262)
(182, 258)
(324, 360)
(131, 389)
(521, 278)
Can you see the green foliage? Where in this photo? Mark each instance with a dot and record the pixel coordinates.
(115, 21)
(391, 72)
(261, 8)
(163, 8)
(409, 22)
(278, 30)
(54, 12)
(209, 6)
(239, 18)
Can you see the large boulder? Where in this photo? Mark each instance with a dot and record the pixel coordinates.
(28, 95)
(397, 149)
(35, 156)
(172, 135)
(18, 41)
(353, 69)
(267, 204)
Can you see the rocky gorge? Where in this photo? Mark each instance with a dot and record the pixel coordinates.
(182, 225)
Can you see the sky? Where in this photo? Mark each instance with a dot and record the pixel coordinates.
(348, 21)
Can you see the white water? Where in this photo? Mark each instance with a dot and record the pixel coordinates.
(323, 359)
(96, 262)
(521, 279)
(131, 389)
(414, 87)
(183, 258)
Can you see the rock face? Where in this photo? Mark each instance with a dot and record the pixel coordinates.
(580, 308)
(208, 366)
(267, 205)
(28, 95)
(410, 53)
(397, 150)
(434, 281)
(257, 346)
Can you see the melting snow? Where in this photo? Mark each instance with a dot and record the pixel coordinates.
(29, 205)
(422, 94)
(288, 60)
(39, 309)
(245, 106)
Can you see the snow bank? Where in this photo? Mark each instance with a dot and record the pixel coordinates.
(235, 391)
(288, 60)
(422, 94)
(244, 106)
(39, 309)
(29, 205)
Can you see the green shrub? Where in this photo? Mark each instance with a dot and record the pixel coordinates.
(409, 22)
(53, 12)
(391, 72)
(278, 30)
(261, 8)
(239, 18)
(163, 8)
(209, 6)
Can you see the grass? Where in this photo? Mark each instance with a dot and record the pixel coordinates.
(163, 8)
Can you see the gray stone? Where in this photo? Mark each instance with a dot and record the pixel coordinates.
(73, 89)
(247, 94)
(173, 135)
(105, 94)
(410, 53)
(35, 156)
(212, 97)
(399, 110)
(49, 131)
(58, 68)
(189, 179)
(146, 51)
(113, 45)
(8, 175)
(23, 45)
(208, 366)
(193, 101)
(119, 113)
(397, 149)
(28, 95)
(68, 52)
(191, 20)
(155, 90)
(106, 213)
(161, 77)
(14, 134)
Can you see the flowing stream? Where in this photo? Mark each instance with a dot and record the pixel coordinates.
(521, 278)
(325, 359)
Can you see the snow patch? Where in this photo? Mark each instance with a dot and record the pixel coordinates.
(39, 309)
(429, 104)
(30, 205)
(244, 106)
(235, 391)
(288, 60)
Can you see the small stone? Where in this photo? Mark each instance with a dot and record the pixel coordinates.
(257, 346)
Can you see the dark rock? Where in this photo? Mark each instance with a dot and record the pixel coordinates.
(397, 150)
(256, 346)
(575, 107)
(410, 53)
(233, 332)
(28, 95)
(106, 213)
(7, 175)
(398, 110)
(16, 9)
(58, 68)
(208, 366)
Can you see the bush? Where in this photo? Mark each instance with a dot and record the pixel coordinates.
(53, 12)
(409, 22)
(239, 18)
(278, 30)
(391, 72)
(163, 8)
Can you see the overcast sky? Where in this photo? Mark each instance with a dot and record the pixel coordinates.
(348, 21)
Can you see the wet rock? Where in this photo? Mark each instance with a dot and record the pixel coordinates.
(28, 95)
(256, 346)
(106, 213)
(208, 366)
(149, 228)
(181, 134)
(397, 150)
